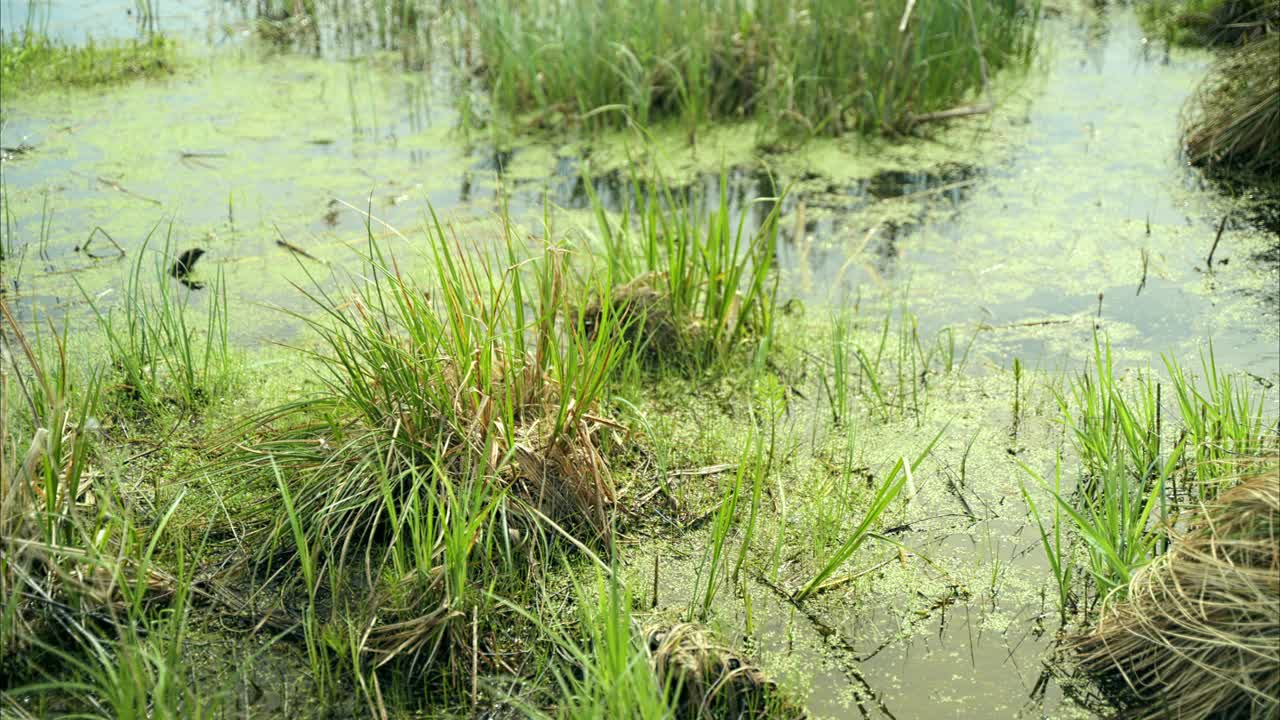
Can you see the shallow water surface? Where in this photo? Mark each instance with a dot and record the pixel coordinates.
(1012, 226)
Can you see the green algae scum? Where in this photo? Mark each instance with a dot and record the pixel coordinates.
(654, 359)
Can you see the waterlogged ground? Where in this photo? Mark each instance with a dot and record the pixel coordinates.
(954, 627)
(1066, 212)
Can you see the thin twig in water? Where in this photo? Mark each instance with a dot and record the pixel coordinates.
(294, 248)
(120, 188)
(836, 639)
(1216, 239)
(97, 230)
(1146, 257)
(1028, 323)
(955, 112)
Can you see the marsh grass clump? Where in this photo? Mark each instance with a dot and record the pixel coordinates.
(486, 365)
(162, 355)
(608, 664)
(1196, 636)
(817, 67)
(1140, 467)
(44, 480)
(690, 289)
(708, 680)
(1209, 22)
(31, 62)
(460, 429)
(1233, 121)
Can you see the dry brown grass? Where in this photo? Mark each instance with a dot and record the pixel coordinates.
(711, 681)
(1234, 118)
(1199, 635)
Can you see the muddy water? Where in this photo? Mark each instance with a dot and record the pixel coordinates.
(1065, 212)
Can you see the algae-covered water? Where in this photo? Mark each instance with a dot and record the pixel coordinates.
(1065, 212)
(1014, 223)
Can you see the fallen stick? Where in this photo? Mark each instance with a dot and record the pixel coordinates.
(120, 188)
(955, 112)
(280, 241)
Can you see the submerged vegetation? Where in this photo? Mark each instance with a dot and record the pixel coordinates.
(812, 67)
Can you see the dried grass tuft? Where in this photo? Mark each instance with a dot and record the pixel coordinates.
(1234, 118)
(711, 681)
(1199, 634)
(645, 310)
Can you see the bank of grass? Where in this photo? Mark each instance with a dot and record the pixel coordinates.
(1196, 635)
(1233, 121)
(1207, 22)
(96, 592)
(465, 433)
(817, 67)
(413, 514)
(31, 62)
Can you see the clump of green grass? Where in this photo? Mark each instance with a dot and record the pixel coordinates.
(461, 425)
(487, 363)
(694, 288)
(31, 62)
(814, 67)
(161, 355)
(44, 476)
(607, 673)
(607, 665)
(1196, 636)
(142, 672)
(81, 587)
(1139, 467)
(1234, 118)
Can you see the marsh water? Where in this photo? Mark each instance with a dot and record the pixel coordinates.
(1066, 211)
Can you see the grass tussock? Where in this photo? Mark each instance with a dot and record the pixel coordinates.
(1208, 22)
(812, 67)
(690, 289)
(1197, 635)
(461, 427)
(31, 62)
(1140, 468)
(1233, 121)
(484, 369)
(44, 479)
(707, 680)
